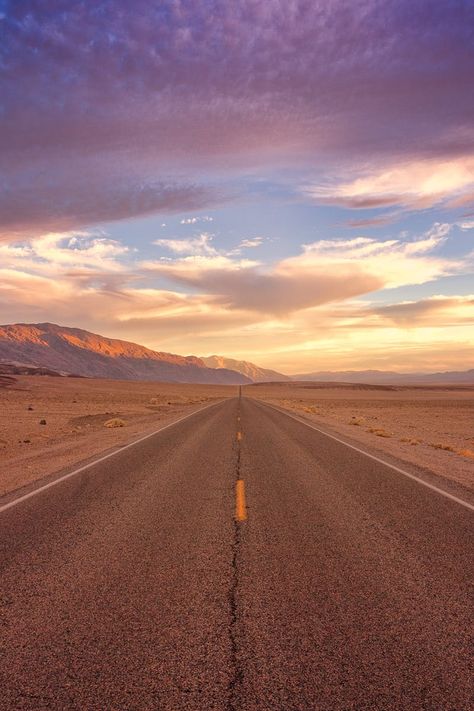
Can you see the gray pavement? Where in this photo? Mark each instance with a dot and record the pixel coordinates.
(131, 585)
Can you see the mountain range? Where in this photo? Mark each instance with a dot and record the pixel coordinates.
(250, 370)
(79, 352)
(382, 377)
(65, 350)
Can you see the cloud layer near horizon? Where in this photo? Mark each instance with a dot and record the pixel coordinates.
(325, 271)
(238, 306)
(117, 109)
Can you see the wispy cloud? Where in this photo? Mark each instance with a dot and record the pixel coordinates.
(245, 244)
(376, 221)
(195, 220)
(466, 225)
(251, 243)
(437, 311)
(418, 184)
(196, 246)
(53, 253)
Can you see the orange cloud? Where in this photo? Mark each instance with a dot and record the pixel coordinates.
(325, 271)
(299, 314)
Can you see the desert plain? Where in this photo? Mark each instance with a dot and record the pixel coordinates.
(48, 424)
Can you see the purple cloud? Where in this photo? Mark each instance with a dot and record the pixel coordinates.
(166, 92)
(437, 310)
(63, 200)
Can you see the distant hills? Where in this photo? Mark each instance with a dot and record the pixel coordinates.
(250, 370)
(46, 348)
(381, 377)
(75, 351)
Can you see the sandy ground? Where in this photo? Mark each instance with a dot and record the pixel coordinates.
(428, 427)
(75, 411)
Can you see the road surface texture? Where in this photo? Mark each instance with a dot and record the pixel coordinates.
(238, 560)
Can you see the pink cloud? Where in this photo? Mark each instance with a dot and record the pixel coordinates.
(415, 184)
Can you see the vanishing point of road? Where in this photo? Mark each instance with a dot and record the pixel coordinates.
(236, 560)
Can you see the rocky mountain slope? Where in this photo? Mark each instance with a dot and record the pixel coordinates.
(72, 350)
(250, 370)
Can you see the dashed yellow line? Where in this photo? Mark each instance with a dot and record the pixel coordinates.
(240, 505)
(239, 436)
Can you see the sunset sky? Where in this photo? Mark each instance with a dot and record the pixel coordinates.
(289, 182)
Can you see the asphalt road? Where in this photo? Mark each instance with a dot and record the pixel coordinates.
(278, 570)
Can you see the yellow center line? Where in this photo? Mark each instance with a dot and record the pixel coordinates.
(240, 505)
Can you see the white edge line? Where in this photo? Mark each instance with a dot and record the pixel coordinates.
(466, 504)
(30, 494)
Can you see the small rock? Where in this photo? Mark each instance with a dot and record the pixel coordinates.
(30, 407)
(43, 422)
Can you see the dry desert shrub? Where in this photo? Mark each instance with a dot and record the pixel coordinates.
(379, 432)
(411, 440)
(115, 422)
(356, 423)
(444, 447)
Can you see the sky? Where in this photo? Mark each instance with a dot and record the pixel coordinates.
(289, 182)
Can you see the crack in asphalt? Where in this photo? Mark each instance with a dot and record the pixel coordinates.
(235, 683)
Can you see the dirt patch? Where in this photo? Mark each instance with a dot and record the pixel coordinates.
(92, 420)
